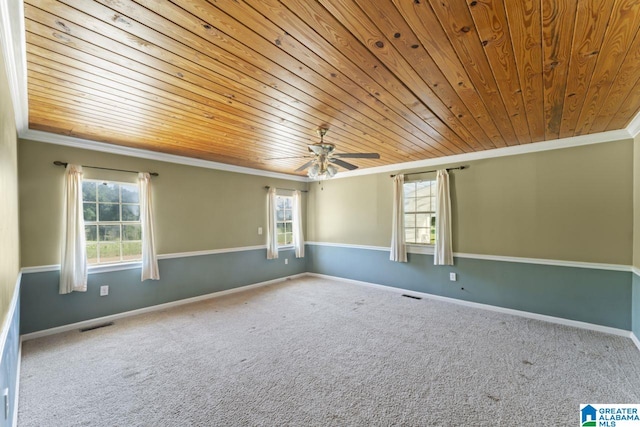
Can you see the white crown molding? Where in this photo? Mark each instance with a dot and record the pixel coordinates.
(52, 138)
(16, 70)
(534, 147)
(634, 126)
(13, 50)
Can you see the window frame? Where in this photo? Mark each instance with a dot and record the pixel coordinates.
(431, 227)
(137, 258)
(284, 221)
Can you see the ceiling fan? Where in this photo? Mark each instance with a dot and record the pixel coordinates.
(325, 159)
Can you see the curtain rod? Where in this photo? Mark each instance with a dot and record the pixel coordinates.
(266, 187)
(435, 170)
(59, 163)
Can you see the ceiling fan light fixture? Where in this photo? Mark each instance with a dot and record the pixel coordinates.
(331, 171)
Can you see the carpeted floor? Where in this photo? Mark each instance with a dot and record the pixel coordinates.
(314, 352)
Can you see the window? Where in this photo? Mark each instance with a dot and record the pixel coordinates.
(112, 222)
(420, 212)
(284, 220)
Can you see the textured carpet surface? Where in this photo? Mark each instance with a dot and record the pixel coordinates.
(314, 352)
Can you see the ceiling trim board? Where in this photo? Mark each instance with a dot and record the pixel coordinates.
(85, 144)
(14, 53)
(534, 147)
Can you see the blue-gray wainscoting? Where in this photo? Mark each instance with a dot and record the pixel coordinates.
(180, 278)
(635, 306)
(597, 296)
(10, 355)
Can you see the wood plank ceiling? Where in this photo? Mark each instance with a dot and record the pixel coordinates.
(243, 81)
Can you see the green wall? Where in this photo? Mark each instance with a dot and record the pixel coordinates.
(573, 204)
(9, 238)
(196, 208)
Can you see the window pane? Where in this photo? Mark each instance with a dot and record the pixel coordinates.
(89, 191)
(423, 235)
(289, 239)
(131, 250)
(109, 233)
(108, 212)
(109, 192)
(422, 220)
(425, 204)
(131, 232)
(289, 227)
(409, 205)
(109, 252)
(131, 212)
(89, 210)
(409, 189)
(92, 252)
(424, 188)
(279, 202)
(280, 227)
(91, 233)
(279, 215)
(433, 235)
(130, 194)
(288, 215)
(433, 221)
(410, 235)
(409, 220)
(288, 202)
(281, 238)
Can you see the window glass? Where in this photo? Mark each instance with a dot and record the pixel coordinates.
(112, 222)
(419, 212)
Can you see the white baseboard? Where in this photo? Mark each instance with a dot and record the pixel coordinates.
(110, 318)
(16, 399)
(635, 340)
(527, 314)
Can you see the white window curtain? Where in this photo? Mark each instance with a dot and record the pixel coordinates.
(398, 246)
(272, 231)
(298, 237)
(149, 259)
(443, 253)
(73, 260)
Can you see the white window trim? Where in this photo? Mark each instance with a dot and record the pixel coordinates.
(103, 267)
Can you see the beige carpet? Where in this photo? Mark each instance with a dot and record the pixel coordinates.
(314, 352)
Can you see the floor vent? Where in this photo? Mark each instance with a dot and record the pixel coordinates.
(411, 296)
(91, 328)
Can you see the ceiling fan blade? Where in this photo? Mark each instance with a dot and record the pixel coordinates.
(344, 164)
(357, 155)
(306, 165)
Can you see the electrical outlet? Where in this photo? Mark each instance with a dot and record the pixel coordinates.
(260, 231)
(104, 290)
(453, 277)
(286, 260)
(5, 393)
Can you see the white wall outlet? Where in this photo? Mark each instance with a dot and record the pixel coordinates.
(260, 231)
(453, 277)
(104, 290)
(5, 394)
(286, 260)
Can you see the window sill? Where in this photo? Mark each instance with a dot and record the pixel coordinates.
(286, 248)
(106, 268)
(418, 248)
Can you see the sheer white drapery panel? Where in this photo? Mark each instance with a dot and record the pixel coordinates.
(73, 260)
(398, 246)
